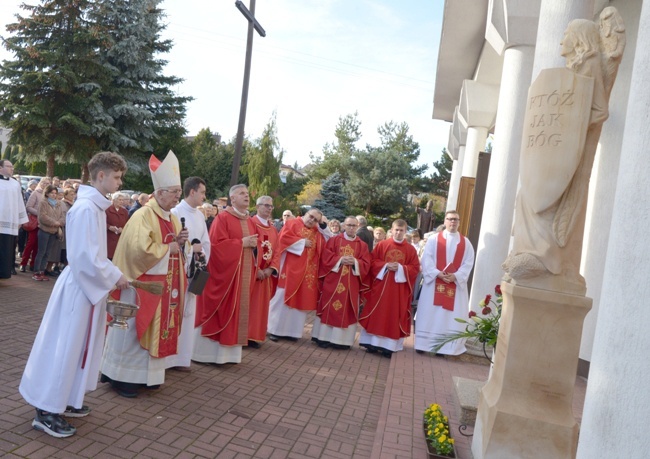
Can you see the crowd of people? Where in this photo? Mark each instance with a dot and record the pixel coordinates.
(262, 282)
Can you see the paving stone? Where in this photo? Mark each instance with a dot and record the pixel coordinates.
(285, 400)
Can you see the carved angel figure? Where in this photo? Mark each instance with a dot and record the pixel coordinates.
(548, 242)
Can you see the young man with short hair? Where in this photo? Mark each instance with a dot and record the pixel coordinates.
(64, 362)
(188, 209)
(386, 316)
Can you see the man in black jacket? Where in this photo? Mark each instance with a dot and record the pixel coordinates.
(364, 233)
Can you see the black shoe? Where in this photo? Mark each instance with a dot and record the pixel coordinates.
(123, 389)
(253, 344)
(419, 351)
(52, 424)
(154, 387)
(13, 272)
(340, 347)
(51, 274)
(291, 338)
(323, 344)
(274, 338)
(387, 354)
(370, 349)
(72, 412)
(22, 269)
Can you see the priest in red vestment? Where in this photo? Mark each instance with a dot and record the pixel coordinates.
(150, 249)
(386, 316)
(344, 268)
(301, 246)
(268, 265)
(223, 309)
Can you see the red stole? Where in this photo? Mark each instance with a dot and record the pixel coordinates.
(445, 293)
(158, 322)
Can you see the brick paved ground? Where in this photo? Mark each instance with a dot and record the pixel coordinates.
(285, 400)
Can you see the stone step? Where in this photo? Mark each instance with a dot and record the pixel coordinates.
(467, 396)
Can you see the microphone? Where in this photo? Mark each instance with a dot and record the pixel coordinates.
(182, 223)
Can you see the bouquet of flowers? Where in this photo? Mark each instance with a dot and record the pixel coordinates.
(483, 328)
(437, 430)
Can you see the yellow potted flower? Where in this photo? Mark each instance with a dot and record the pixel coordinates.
(436, 430)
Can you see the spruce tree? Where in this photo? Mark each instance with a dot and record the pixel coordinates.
(45, 92)
(333, 199)
(137, 96)
(87, 76)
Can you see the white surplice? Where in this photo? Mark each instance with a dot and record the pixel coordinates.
(432, 321)
(195, 224)
(74, 322)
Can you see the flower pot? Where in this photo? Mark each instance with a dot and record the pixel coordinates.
(431, 451)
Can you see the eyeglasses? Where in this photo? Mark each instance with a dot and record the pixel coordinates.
(177, 192)
(268, 206)
(453, 219)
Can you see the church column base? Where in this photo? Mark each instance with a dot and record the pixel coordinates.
(525, 408)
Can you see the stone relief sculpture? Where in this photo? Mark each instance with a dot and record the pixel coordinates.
(564, 119)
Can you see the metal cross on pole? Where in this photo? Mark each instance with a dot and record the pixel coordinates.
(252, 24)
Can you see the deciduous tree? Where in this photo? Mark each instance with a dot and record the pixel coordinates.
(263, 163)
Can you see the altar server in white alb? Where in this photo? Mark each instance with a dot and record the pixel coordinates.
(194, 221)
(447, 261)
(64, 362)
(12, 215)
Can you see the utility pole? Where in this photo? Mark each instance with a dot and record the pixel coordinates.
(252, 24)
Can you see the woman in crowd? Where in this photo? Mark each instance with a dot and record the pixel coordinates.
(335, 226)
(51, 221)
(31, 247)
(210, 213)
(380, 235)
(116, 218)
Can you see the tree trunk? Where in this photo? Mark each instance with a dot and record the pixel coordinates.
(85, 173)
(50, 166)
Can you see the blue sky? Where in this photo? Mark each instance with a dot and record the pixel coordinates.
(320, 59)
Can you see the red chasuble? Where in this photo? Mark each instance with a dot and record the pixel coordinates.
(299, 274)
(387, 311)
(341, 290)
(445, 293)
(223, 307)
(268, 256)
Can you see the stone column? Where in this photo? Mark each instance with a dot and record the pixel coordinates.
(456, 148)
(512, 31)
(496, 226)
(616, 417)
(603, 178)
(478, 107)
(454, 182)
(476, 137)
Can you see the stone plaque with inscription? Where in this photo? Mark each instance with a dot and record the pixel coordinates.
(557, 118)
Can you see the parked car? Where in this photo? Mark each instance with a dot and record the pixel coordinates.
(24, 180)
